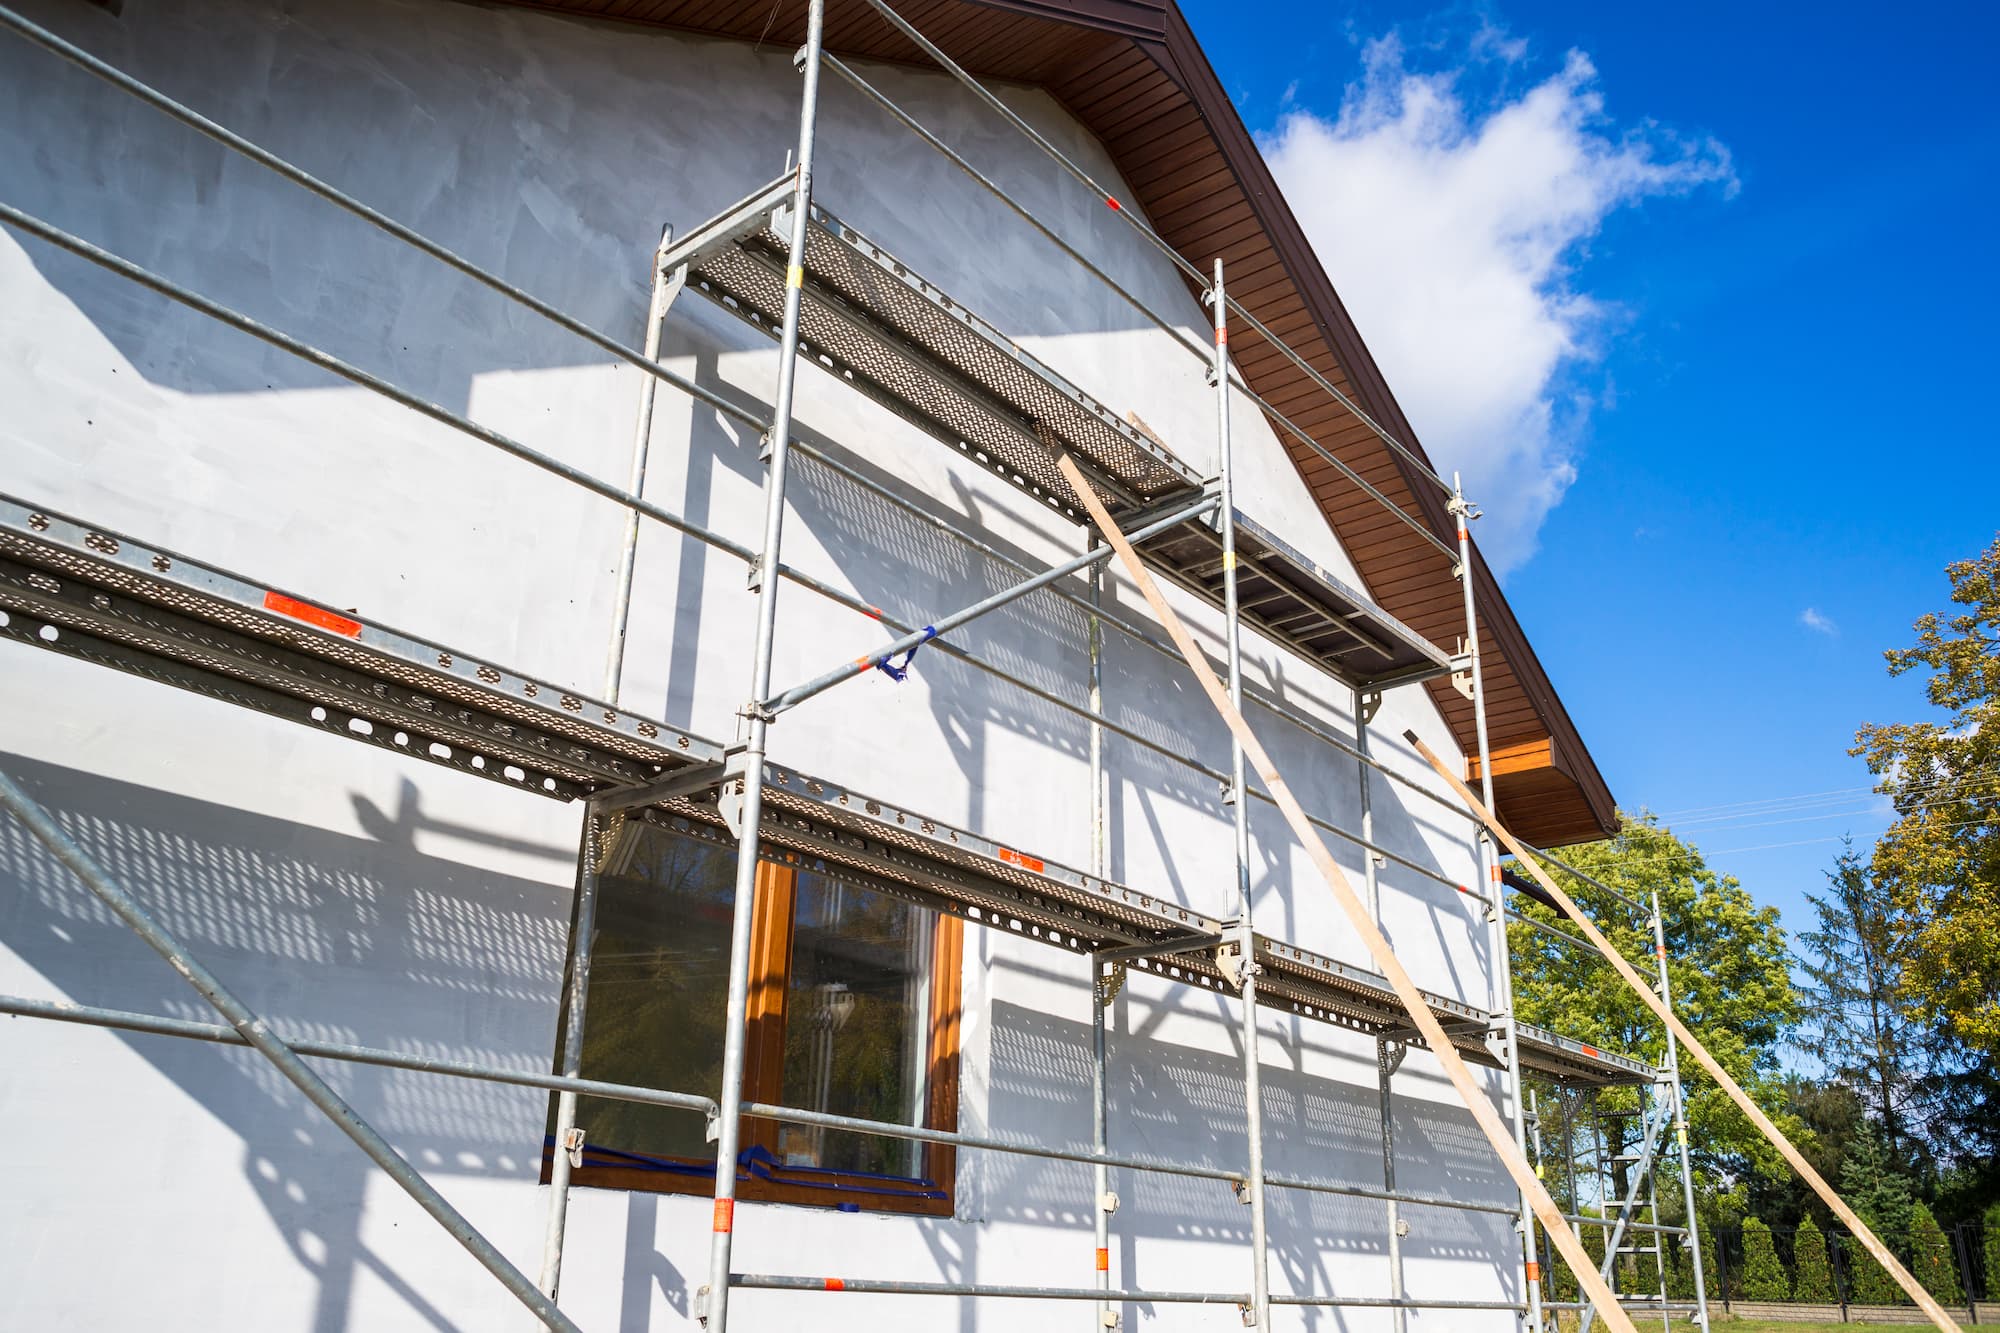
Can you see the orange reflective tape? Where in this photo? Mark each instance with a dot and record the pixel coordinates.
(1104, 1261)
(1222, 335)
(1590, 1050)
(725, 1215)
(1021, 859)
(1534, 1271)
(1111, 203)
(317, 616)
(836, 1284)
(1495, 873)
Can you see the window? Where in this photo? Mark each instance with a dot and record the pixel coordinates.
(853, 1009)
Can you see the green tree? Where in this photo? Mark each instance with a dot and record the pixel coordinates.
(1931, 1259)
(1858, 1025)
(1940, 861)
(1874, 1188)
(1727, 961)
(1763, 1275)
(1812, 1278)
(1990, 1252)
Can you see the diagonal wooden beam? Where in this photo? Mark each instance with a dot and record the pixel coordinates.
(1791, 1154)
(1426, 1023)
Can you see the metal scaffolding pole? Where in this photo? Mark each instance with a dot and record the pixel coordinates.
(1642, 1167)
(642, 440)
(714, 1309)
(1496, 914)
(257, 1032)
(1102, 989)
(568, 1147)
(1253, 1091)
(1680, 1118)
(1386, 1061)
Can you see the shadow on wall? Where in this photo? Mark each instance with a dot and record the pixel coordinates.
(547, 150)
(1186, 1104)
(329, 936)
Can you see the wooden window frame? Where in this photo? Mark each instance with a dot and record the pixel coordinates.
(763, 1072)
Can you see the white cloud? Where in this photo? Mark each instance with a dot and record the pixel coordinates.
(1819, 624)
(1453, 233)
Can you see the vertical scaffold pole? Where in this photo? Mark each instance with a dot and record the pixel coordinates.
(1496, 913)
(1386, 1061)
(1239, 796)
(584, 913)
(755, 724)
(1680, 1118)
(1100, 991)
(568, 1139)
(642, 439)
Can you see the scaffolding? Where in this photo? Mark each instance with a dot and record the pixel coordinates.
(784, 264)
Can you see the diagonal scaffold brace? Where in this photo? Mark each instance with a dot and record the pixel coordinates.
(1869, 1240)
(256, 1032)
(1483, 1112)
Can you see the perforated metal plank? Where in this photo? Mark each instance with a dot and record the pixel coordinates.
(102, 597)
(1571, 1060)
(105, 597)
(869, 319)
(1297, 602)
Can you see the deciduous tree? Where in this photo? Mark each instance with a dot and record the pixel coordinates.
(1940, 860)
(1726, 957)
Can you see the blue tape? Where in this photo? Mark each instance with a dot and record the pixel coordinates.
(900, 671)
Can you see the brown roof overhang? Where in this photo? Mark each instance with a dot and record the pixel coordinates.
(1132, 73)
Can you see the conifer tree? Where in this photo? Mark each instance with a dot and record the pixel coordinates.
(1763, 1274)
(1990, 1252)
(1931, 1259)
(1812, 1277)
(1872, 1186)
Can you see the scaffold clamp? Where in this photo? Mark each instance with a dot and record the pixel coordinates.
(573, 1145)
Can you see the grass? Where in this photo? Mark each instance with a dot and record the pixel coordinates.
(1785, 1325)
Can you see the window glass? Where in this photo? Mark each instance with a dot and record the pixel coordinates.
(848, 971)
(659, 983)
(857, 1024)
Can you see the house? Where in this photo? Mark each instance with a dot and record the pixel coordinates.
(937, 867)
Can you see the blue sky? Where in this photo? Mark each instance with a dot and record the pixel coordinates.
(1772, 391)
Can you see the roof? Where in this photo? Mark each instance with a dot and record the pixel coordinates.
(1131, 72)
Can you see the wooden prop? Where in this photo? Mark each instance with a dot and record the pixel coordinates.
(1729, 1085)
(1476, 1101)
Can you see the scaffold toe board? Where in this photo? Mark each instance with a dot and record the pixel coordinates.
(867, 318)
(87, 593)
(870, 320)
(105, 598)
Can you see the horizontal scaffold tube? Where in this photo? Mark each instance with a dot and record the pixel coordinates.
(863, 1286)
(235, 142)
(124, 1020)
(63, 1011)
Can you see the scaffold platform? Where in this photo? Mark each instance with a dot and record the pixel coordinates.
(102, 597)
(872, 322)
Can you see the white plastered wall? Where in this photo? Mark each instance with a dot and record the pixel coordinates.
(356, 897)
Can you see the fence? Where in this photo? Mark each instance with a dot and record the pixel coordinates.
(1956, 1265)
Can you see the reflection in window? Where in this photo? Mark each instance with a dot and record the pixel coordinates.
(844, 1018)
(857, 1004)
